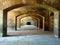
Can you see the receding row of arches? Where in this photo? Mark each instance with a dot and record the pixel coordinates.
(37, 18)
(40, 13)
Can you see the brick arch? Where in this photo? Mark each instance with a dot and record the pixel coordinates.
(15, 6)
(5, 16)
(36, 18)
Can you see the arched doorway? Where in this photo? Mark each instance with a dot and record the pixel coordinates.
(38, 17)
(35, 18)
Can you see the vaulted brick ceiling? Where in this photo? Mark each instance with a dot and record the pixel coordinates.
(7, 3)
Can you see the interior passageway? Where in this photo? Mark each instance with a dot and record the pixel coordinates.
(44, 16)
(29, 22)
(39, 18)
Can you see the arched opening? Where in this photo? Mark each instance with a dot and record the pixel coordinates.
(39, 18)
(28, 23)
(36, 19)
(32, 20)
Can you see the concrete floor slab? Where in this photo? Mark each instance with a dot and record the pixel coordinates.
(30, 40)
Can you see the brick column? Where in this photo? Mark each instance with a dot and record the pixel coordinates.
(16, 23)
(4, 23)
(59, 24)
(56, 24)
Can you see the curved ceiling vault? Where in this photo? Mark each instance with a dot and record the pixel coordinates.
(28, 8)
